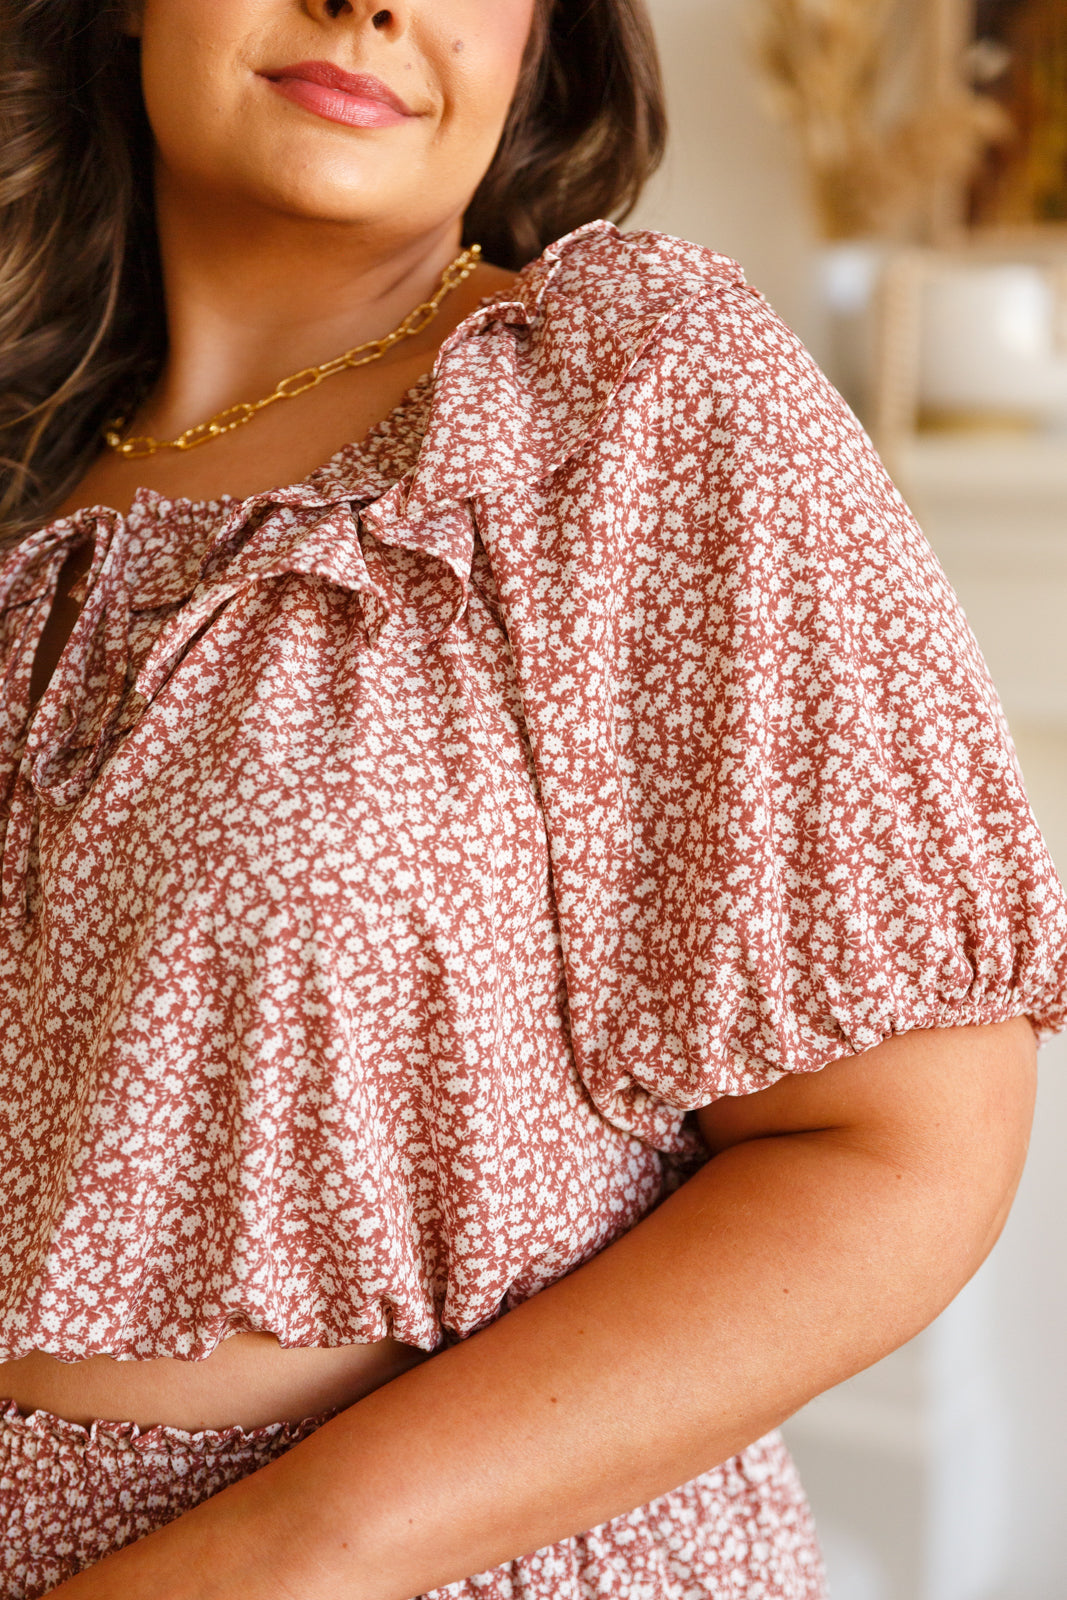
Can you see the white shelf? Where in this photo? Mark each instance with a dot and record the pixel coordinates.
(972, 466)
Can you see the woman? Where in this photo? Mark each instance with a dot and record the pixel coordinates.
(416, 865)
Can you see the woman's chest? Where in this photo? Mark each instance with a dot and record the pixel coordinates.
(284, 751)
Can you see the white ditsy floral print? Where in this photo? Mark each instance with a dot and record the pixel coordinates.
(397, 857)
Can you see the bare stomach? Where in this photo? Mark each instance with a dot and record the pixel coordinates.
(248, 1381)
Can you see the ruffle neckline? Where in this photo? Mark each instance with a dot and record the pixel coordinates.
(516, 344)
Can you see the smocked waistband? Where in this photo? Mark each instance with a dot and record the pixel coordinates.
(128, 1438)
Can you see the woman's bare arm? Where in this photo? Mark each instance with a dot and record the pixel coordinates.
(841, 1212)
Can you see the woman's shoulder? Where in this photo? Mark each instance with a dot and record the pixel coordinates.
(687, 309)
(625, 274)
(642, 332)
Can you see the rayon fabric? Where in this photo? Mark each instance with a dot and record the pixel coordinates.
(396, 858)
(70, 1495)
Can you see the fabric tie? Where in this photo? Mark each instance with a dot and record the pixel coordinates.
(69, 734)
(56, 755)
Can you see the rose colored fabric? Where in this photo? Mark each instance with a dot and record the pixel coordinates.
(70, 1495)
(396, 857)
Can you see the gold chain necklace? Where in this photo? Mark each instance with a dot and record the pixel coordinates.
(236, 416)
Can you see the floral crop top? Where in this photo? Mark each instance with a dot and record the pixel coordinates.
(397, 857)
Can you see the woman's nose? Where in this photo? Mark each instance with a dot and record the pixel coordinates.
(380, 17)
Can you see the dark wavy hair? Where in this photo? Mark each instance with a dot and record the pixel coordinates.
(82, 326)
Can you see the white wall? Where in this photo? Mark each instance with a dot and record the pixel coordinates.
(731, 179)
(1028, 1270)
(942, 1473)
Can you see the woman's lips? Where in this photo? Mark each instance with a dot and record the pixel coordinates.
(354, 98)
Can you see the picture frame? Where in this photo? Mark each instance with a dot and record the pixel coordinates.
(1015, 53)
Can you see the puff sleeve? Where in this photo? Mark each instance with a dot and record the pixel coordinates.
(785, 816)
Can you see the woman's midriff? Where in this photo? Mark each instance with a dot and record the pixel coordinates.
(249, 1381)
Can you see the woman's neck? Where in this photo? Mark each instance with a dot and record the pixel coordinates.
(252, 297)
(249, 304)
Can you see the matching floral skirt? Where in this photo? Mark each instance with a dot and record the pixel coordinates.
(69, 1495)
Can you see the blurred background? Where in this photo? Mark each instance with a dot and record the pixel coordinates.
(892, 174)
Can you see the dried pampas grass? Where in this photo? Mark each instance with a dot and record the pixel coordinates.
(879, 142)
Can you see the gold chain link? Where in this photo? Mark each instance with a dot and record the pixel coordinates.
(297, 383)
